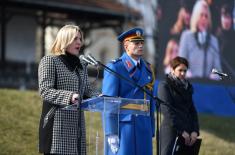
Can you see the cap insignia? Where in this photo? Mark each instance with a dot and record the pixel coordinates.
(138, 33)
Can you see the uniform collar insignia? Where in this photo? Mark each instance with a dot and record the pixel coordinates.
(128, 63)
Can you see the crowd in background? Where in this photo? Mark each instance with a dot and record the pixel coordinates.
(202, 33)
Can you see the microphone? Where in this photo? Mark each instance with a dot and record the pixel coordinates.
(84, 58)
(215, 71)
(92, 59)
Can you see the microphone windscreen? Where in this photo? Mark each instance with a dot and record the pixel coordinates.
(214, 70)
(81, 57)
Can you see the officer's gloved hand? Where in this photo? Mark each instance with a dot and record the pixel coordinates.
(113, 141)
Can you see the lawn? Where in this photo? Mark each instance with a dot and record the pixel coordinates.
(19, 118)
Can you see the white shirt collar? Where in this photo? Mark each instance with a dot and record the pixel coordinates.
(202, 37)
(135, 61)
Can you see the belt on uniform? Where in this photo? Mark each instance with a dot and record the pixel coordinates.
(132, 106)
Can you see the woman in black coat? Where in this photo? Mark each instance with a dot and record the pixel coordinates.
(179, 114)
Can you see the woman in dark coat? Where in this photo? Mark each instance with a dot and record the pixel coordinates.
(63, 80)
(179, 114)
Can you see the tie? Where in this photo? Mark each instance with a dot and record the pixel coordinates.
(137, 72)
(138, 65)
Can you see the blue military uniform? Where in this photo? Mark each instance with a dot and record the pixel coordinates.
(135, 132)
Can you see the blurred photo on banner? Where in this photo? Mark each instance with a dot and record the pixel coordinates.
(202, 31)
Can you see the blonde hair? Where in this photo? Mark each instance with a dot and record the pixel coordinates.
(64, 38)
(197, 9)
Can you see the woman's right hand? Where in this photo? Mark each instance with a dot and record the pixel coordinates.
(186, 138)
(75, 98)
(193, 138)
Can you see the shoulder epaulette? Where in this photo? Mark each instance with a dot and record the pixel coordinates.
(148, 65)
(115, 60)
(147, 62)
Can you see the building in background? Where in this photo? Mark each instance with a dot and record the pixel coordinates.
(28, 28)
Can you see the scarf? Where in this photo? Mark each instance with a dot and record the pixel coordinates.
(182, 87)
(179, 82)
(71, 61)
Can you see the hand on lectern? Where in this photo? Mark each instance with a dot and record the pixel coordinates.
(113, 141)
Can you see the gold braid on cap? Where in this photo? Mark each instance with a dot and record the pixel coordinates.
(135, 37)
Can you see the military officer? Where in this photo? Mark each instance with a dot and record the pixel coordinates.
(129, 134)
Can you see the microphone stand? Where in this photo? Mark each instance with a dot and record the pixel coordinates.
(158, 101)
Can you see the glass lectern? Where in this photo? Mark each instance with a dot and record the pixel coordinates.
(97, 107)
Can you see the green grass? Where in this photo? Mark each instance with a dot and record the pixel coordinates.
(20, 113)
(19, 119)
(218, 134)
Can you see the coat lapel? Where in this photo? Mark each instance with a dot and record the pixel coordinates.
(82, 73)
(146, 75)
(145, 71)
(129, 65)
